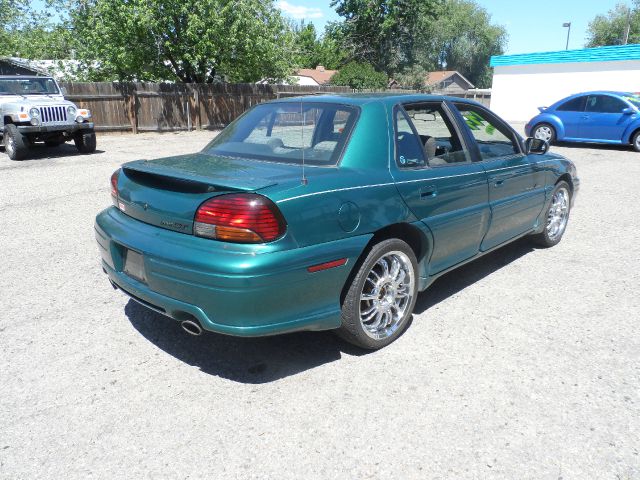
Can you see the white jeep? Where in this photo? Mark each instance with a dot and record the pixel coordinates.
(33, 109)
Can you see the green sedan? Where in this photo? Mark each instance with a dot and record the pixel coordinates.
(328, 213)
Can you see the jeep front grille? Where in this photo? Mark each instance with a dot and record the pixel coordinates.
(53, 114)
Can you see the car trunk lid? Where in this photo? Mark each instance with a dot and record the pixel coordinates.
(168, 191)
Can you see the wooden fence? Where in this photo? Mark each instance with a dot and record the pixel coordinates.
(165, 107)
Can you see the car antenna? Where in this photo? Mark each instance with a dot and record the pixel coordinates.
(302, 114)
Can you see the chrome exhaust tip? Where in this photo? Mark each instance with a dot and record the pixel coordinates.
(191, 327)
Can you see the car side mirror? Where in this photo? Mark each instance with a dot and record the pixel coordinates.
(536, 146)
(628, 111)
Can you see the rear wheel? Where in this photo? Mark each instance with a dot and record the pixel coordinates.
(381, 297)
(85, 141)
(545, 132)
(15, 144)
(557, 217)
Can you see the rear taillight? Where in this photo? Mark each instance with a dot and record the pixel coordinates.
(239, 218)
(114, 187)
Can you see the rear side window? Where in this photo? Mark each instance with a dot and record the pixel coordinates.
(437, 133)
(575, 105)
(409, 151)
(605, 104)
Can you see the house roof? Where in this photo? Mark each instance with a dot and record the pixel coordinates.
(319, 74)
(599, 54)
(436, 78)
(24, 63)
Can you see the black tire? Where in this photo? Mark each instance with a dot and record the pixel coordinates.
(353, 330)
(549, 237)
(15, 144)
(635, 142)
(85, 141)
(550, 137)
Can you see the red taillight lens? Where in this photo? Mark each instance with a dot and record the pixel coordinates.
(239, 218)
(114, 186)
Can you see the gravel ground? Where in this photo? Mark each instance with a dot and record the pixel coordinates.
(524, 364)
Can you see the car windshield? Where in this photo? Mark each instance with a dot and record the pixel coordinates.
(28, 86)
(315, 133)
(633, 98)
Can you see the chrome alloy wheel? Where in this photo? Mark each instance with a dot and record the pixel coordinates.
(386, 295)
(558, 214)
(637, 144)
(543, 133)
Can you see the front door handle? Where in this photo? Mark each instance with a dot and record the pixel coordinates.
(498, 183)
(428, 192)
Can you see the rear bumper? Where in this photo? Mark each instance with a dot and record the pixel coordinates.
(72, 127)
(228, 289)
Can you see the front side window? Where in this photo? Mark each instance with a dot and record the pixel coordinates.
(605, 104)
(575, 105)
(494, 139)
(633, 99)
(315, 133)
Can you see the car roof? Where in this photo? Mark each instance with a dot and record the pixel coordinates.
(364, 98)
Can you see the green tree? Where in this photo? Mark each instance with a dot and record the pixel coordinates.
(610, 29)
(462, 38)
(12, 12)
(186, 40)
(414, 78)
(312, 50)
(359, 75)
(383, 32)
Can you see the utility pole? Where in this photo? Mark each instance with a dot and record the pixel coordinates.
(567, 25)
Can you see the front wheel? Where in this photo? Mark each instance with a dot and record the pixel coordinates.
(557, 217)
(636, 142)
(545, 132)
(85, 141)
(16, 145)
(381, 297)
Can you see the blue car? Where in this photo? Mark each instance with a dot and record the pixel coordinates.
(591, 117)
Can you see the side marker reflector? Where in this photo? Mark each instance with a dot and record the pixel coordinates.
(327, 265)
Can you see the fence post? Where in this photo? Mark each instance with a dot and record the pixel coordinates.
(196, 102)
(133, 107)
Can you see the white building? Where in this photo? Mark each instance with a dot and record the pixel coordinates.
(522, 83)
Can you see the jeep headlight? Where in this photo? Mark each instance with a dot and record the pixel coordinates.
(71, 110)
(34, 113)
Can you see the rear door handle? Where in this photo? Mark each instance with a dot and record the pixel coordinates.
(498, 183)
(428, 192)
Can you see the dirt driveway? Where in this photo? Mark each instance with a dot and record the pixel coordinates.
(522, 365)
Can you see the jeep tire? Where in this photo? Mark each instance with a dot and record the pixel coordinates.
(85, 141)
(16, 145)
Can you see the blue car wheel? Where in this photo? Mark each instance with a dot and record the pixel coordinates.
(545, 132)
(636, 141)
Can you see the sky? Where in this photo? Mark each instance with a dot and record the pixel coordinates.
(531, 26)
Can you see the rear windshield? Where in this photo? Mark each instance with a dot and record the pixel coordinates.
(28, 86)
(288, 133)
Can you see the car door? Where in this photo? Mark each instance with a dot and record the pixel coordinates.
(439, 183)
(516, 188)
(570, 114)
(604, 119)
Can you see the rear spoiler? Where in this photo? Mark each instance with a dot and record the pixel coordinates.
(542, 109)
